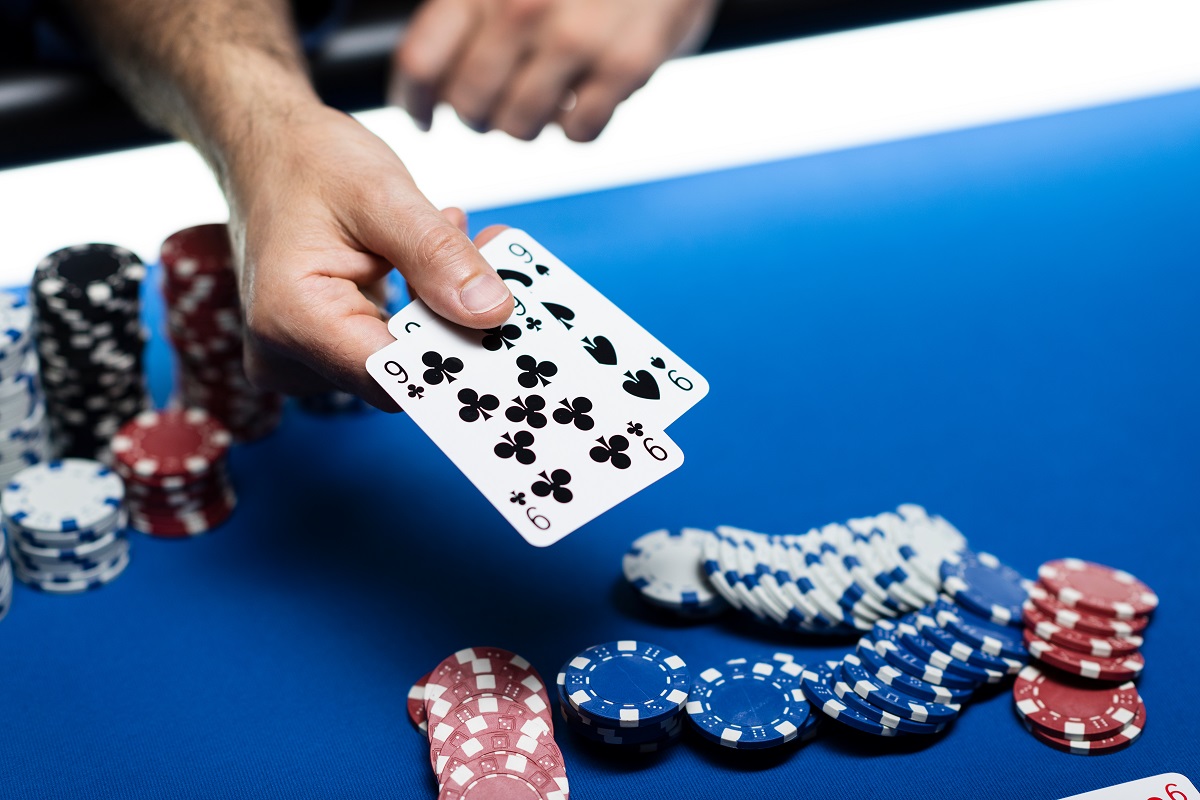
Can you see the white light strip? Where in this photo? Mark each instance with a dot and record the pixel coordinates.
(726, 109)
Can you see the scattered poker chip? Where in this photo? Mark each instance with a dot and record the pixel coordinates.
(489, 736)
(205, 326)
(1097, 589)
(891, 645)
(858, 677)
(749, 705)
(1118, 668)
(1067, 617)
(667, 569)
(900, 680)
(984, 586)
(1072, 708)
(1103, 646)
(527, 779)
(489, 731)
(416, 704)
(845, 692)
(103, 578)
(930, 642)
(817, 681)
(1094, 747)
(1002, 641)
(626, 682)
(953, 645)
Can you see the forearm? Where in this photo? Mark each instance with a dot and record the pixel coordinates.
(221, 74)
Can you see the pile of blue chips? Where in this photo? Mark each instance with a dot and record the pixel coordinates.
(626, 694)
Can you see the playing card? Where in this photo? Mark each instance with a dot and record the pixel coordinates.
(514, 410)
(621, 356)
(1168, 786)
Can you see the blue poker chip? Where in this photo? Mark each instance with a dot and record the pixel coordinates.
(900, 680)
(845, 692)
(981, 584)
(749, 705)
(855, 673)
(817, 681)
(930, 650)
(1002, 641)
(963, 651)
(628, 683)
(892, 647)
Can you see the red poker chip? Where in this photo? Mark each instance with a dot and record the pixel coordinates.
(416, 704)
(495, 723)
(1067, 617)
(524, 689)
(504, 775)
(1120, 668)
(1073, 708)
(184, 525)
(200, 250)
(1095, 747)
(541, 751)
(162, 444)
(506, 666)
(1103, 646)
(1097, 589)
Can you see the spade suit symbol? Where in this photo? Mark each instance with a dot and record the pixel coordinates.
(601, 349)
(641, 385)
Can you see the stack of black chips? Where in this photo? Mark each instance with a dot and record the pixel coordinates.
(89, 344)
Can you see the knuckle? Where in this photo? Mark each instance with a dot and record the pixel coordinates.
(524, 12)
(439, 247)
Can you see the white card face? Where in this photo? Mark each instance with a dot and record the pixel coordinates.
(519, 413)
(1168, 786)
(622, 357)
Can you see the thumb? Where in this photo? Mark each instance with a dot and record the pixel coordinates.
(439, 263)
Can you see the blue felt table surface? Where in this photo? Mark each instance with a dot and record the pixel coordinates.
(1000, 324)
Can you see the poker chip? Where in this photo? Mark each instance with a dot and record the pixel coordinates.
(89, 344)
(1067, 617)
(994, 668)
(749, 704)
(174, 466)
(880, 670)
(836, 579)
(981, 584)
(6, 579)
(1097, 589)
(890, 642)
(205, 326)
(667, 569)
(857, 676)
(1002, 641)
(1118, 668)
(847, 695)
(1094, 747)
(817, 681)
(24, 434)
(626, 682)
(476, 736)
(1103, 646)
(1071, 708)
(416, 704)
(63, 496)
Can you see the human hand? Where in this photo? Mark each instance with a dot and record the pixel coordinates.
(319, 217)
(513, 65)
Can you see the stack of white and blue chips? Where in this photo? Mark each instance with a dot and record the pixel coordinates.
(6, 576)
(24, 438)
(912, 675)
(65, 525)
(626, 695)
(936, 621)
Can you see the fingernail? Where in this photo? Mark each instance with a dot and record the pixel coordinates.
(483, 294)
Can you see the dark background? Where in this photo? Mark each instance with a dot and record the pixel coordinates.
(54, 104)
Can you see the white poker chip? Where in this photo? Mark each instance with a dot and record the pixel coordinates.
(668, 569)
(62, 496)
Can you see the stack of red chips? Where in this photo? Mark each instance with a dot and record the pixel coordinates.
(173, 465)
(204, 320)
